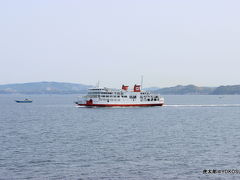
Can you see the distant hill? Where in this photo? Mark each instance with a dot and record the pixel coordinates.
(74, 88)
(151, 89)
(181, 90)
(44, 88)
(227, 90)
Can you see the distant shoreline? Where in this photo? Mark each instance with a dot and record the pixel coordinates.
(36, 88)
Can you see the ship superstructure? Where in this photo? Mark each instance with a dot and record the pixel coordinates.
(107, 97)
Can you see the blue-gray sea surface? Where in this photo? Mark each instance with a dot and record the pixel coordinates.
(52, 139)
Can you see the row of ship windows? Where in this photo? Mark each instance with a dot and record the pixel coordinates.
(97, 93)
(109, 92)
(152, 97)
(110, 100)
(144, 93)
(133, 100)
(95, 96)
(131, 97)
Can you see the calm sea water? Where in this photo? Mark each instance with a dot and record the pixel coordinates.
(52, 139)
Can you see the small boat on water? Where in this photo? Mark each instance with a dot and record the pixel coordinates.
(24, 101)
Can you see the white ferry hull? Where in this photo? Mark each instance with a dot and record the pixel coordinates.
(118, 105)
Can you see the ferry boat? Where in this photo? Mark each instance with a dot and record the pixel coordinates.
(107, 97)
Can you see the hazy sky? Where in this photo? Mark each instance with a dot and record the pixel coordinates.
(169, 42)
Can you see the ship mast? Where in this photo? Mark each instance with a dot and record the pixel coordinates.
(142, 82)
(98, 84)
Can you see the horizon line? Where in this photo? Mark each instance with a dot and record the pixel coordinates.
(94, 85)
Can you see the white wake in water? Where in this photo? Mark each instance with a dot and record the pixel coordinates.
(202, 105)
